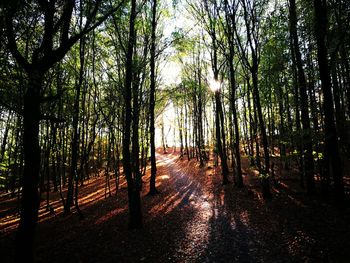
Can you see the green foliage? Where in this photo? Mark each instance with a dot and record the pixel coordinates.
(263, 175)
(317, 155)
(181, 43)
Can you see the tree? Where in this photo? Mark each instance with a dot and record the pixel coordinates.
(230, 17)
(153, 189)
(252, 13)
(306, 129)
(133, 190)
(211, 11)
(332, 157)
(48, 49)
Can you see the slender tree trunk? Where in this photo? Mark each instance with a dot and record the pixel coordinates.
(332, 156)
(235, 121)
(180, 124)
(75, 136)
(4, 140)
(265, 179)
(153, 189)
(306, 136)
(54, 157)
(219, 120)
(281, 111)
(252, 127)
(220, 150)
(133, 193)
(135, 148)
(297, 115)
(186, 132)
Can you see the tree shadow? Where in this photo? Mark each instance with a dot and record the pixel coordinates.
(194, 219)
(230, 238)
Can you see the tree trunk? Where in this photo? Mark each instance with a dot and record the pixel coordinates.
(152, 185)
(30, 196)
(75, 136)
(218, 126)
(133, 193)
(265, 178)
(4, 140)
(235, 121)
(306, 136)
(332, 156)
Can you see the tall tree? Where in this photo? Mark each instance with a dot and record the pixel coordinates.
(55, 39)
(211, 10)
(332, 157)
(153, 189)
(252, 14)
(306, 129)
(230, 17)
(133, 191)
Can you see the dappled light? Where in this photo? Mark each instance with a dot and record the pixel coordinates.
(174, 131)
(203, 218)
(109, 216)
(163, 177)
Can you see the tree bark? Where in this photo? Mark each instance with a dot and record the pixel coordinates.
(218, 126)
(265, 179)
(239, 180)
(133, 193)
(306, 130)
(30, 196)
(153, 189)
(332, 156)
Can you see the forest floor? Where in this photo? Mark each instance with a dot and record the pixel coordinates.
(194, 219)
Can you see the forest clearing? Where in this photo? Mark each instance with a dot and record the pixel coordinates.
(174, 131)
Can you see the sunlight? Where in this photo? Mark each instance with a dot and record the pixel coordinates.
(110, 215)
(165, 126)
(170, 201)
(163, 177)
(170, 73)
(179, 130)
(214, 85)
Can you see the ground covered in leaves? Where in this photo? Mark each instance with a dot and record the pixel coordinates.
(194, 219)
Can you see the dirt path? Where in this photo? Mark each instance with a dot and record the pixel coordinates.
(214, 233)
(193, 219)
(226, 224)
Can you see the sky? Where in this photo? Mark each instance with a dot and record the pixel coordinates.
(170, 72)
(170, 68)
